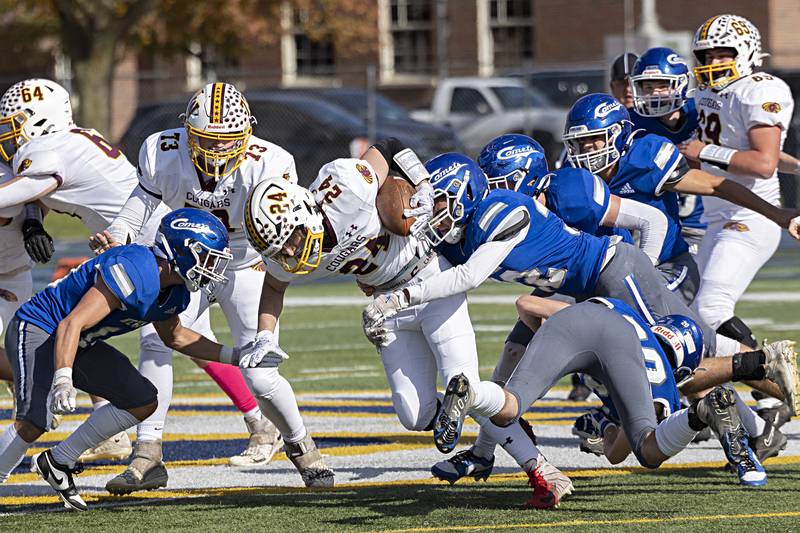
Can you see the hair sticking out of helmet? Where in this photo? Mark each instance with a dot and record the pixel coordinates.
(682, 341)
(284, 224)
(596, 132)
(513, 162)
(459, 185)
(196, 245)
(218, 126)
(30, 109)
(736, 46)
(659, 82)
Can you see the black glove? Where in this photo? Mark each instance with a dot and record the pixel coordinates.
(38, 243)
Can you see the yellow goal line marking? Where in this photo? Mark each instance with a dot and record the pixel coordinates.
(621, 521)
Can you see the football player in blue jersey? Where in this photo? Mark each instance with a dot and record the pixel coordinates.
(56, 341)
(659, 84)
(649, 168)
(678, 353)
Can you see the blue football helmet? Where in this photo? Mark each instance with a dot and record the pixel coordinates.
(596, 115)
(668, 72)
(460, 182)
(682, 341)
(511, 160)
(196, 244)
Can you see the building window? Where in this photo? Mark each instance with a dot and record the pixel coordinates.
(412, 36)
(511, 27)
(305, 61)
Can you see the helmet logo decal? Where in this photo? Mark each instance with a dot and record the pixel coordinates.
(605, 109)
(217, 97)
(512, 152)
(447, 171)
(25, 165)
(675, 59)
(197, 227)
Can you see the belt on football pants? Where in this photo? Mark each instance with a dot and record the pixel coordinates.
(408, 272)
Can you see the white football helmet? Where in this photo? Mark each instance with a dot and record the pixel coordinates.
(29, 109)
(727, 31)
(280, 213)
(218, 124)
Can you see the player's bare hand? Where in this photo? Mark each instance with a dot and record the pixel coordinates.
(691, 149)
(794, 227)
(100, 242)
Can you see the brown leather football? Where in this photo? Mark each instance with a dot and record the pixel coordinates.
(392, 199)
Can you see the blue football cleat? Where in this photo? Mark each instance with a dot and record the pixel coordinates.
(463, 464)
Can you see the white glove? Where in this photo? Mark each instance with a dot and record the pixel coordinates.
(592, 424)
(263, 352)
(375, 314)
(421, 202)
(62, 394)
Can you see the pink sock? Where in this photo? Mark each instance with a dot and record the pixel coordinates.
(230, 380)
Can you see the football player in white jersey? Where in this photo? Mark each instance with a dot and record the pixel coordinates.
(335, 229)
(744, 115)
(71, 170)
(213, 163)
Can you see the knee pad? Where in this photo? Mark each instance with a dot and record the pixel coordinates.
(421, 419)
(263, 382)
(737, 330)
(520, 334)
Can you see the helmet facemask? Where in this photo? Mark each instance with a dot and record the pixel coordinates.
(217, 154)
(716, 75)
(12, 135)
(656, 102)
(450, 216)
(306, 254)
(597, 160)
(204, 271)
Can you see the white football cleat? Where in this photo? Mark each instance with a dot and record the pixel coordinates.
(781, 362)
(116, 448)
(265, 441)
(60, 478)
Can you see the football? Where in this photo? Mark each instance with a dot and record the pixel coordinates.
(392, 199)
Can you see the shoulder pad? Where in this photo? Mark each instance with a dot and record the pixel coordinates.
(511, 225)
(129, 275)
(30, 161)
(353, 176)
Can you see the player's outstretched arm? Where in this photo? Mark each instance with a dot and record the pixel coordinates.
(760, 161)
(650, 222)
(25, 189)
(271, 304)
(187, 341)
(532, 309)
(703, 183)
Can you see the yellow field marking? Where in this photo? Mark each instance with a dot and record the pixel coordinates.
(619, 521)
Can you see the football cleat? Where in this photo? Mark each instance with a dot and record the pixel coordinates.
(60, 478)
(265, 441)
(579, 393)
(593, 445)
(463, 464)
(777, 416)
(549, 484)
(146, 470)
(458, 399)
(703, 435)
(305, 456)
(781, 363)
(115, 448)
(769, 443)
(718, 410)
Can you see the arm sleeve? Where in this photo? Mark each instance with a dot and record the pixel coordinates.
(480, 264)
(24, 189)
(651, 223)
(137, 210)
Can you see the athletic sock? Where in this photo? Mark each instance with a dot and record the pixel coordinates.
(726, 346)
(101, 424)
(489, 399)
(253, 415)
(753, 423)
(280, 408)
(484, 445)
(12, 451)
(514, 440)
(673, 434)
(230, 380)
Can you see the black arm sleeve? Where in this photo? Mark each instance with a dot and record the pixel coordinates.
(388, 148)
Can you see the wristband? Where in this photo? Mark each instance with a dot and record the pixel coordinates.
(718, 156)
(62, 373)
(226, 355)
(32, 211)
(412, 167)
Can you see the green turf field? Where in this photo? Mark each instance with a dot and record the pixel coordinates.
(328, 353)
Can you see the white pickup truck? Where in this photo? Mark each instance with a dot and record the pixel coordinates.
(480, 109)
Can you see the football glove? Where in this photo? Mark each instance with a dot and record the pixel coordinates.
(264, 352)
(591, 425)
(421, 202)
(38, 242)
(375, 314)
(62, 394)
